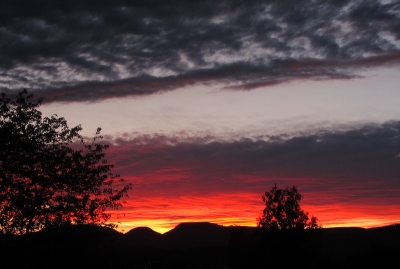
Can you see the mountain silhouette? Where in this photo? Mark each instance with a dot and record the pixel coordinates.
(197, 234)
(184, 235)
(143, 237)
(194, 245)
(78, 233)
(352, 239)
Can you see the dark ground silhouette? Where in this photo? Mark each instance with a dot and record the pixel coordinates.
(201, 245)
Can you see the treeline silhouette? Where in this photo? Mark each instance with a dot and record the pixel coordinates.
(201, 245)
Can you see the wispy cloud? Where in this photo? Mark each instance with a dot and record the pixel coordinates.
(91, 51)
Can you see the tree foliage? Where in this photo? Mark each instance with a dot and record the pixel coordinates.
(282, 210)
(49, 175)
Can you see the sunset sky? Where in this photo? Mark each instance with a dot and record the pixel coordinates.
(207, 104)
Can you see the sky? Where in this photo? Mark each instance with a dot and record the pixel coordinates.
(207, 104)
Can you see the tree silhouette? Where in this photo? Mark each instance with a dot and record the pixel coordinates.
(283, 211)
(49, 176)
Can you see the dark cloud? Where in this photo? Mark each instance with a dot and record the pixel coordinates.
(92, 50)
(363, 160)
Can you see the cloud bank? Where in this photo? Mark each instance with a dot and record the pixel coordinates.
(364, 159)
(348, 178)
(89, 51)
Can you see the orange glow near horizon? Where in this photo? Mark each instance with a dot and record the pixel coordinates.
(177, 179)
(164, 213)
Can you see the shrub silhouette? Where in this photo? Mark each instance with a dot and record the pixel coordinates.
(49, 176)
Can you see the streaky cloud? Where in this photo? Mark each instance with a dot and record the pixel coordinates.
(95, 51)
(348, 177)
(366, 156)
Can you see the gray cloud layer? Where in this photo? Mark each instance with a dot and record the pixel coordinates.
(92, 50)
(366, 158)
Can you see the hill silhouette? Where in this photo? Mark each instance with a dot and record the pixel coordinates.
(192, 245)
(184, 235)
(143, 237)
(197, 234)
